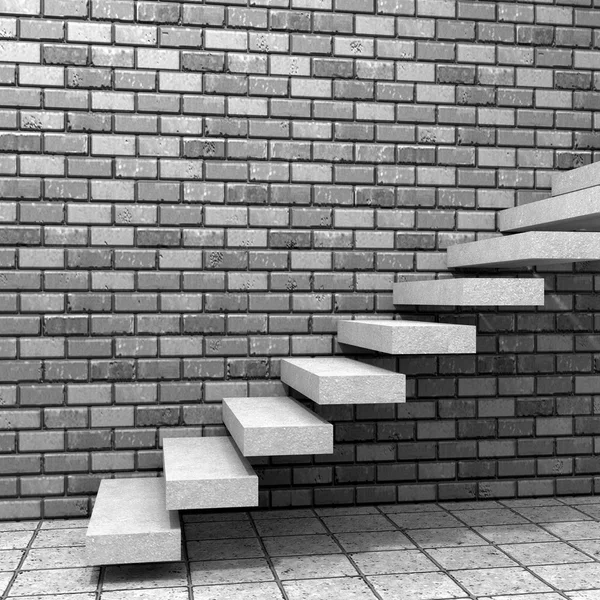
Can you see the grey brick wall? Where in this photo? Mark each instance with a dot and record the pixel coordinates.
(191, 190)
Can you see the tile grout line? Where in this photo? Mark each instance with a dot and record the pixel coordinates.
(185, 557)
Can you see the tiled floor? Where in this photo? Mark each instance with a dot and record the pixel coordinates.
(544, 549)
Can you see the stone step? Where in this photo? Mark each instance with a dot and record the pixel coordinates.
(471, 292)
(207, 472)
(131, 524)
(526, 249)
(578, 210)
(340, 380)
(576, 179)
(276, 426)
(408, 337)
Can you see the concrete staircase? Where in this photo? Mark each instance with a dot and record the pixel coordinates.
(136, 520)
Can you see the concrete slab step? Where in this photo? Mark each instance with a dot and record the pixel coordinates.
(340, 380)
(207, 472)
(484, 291)
(526, 249)
(131, 524)
(574, 211)
(276, 426)
(408, 337)
(576, 179)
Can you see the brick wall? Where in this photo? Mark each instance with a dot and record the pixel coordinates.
(192, 190)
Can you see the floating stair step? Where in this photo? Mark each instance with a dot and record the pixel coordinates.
(576, 179)
(409, 337)
(526, 249)
(339, 380)
(207, 472)
(277, 426)
(578, 210)
(131, 524)
(470, 292)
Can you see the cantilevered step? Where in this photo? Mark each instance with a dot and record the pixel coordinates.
(131, 524)
(526, 249)
(277, 426)
(576, 179)
(207, 472)
(578, 210)
(339, 380)
(408, 337)
(470, 292)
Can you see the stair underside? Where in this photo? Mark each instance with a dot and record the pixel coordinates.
(131, 524)
(408, 337)
(576, 179)
(208, 472)
(470, 292)
(339, 380)
(276, 426)
(578, 210)
(526, 249)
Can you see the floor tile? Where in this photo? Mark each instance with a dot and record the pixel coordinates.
(373, 540)
(576, 530)
(410, 508)
(589, 546)
(493, 582)
(52, 538)
(64, 523)
(584, 595)
(542, 596)
(151, 575)
(211, 517)
(592, 510)
(9, 559)
(223, 549)
(573, 500)
(432, 520)
(354, 523)
(177, 593)
(514, 534)
(468, 505)
(18, 525)
(290, 526)
(75, 596)
(579, 576)
(55, 558)
(339, 511)
(544, 553)
(220, 530)
(13, 540)
(55, 581)
(416, 586)
(230, 571)
(550, 514)
(341, 588)
(441, 538)
(301, 545)
(480, 517)
(470, 557)
(289, 513)
(393, 561)
(4, 581)
(321, 566)
(241, 591)
(526, 502)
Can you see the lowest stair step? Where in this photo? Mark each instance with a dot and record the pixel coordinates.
(131, 524)
(500, 291)
(207, 472)
(578, 210)
(340, 380)
(409, 337)
(526, 249)
(276, 426)
(576, 179)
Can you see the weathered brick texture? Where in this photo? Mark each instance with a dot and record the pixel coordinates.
(190, 191)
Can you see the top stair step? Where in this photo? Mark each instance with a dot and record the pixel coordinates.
(526, 249)
(579, 210)
(484, 291)
(576, 179)
(278, 426)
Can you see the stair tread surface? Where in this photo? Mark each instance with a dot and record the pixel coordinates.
(341, 380)
(408, 337)
(276, 426)
(526, 249)
(576, 179)
(131, 524)
(207, 472)
(500, 291)
(579, 210)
